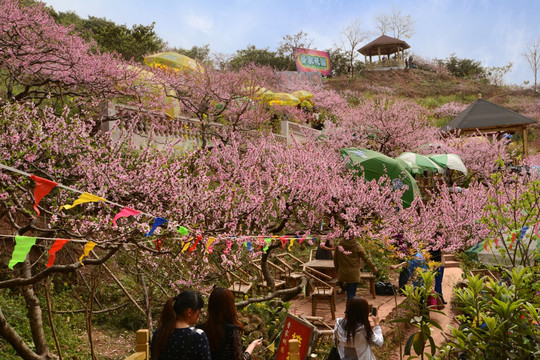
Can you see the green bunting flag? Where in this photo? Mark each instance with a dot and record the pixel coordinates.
(23, 244)
(182, 230)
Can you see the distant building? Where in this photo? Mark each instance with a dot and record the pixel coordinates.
(384, 47)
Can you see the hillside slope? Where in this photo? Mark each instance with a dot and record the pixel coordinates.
(432, 90)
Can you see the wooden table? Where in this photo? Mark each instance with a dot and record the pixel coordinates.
(320, 264)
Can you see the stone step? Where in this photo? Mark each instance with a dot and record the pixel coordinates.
(450, 257)
(451, 264)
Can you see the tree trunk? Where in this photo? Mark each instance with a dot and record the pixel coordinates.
(264, 267)
(13, 338)
(35, 315)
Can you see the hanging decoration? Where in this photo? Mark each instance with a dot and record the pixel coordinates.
(84, 198)
(157, 222)
(182, 230)
(125, 212)
(209, 243)
(23, 244)
(58, 244)
(191, 249)
(87, 248)
(43, 187)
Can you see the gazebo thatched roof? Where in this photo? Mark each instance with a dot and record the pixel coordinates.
(485, 115)
(385, 44)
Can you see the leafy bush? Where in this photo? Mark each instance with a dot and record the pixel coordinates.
(464, 68)
(499, 319)
(419, 315)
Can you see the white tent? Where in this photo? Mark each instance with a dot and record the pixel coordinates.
(493, 252)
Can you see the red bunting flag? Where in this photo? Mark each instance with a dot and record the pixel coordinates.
(192, 248)
(43, 187)
(513, 239)
(124, 213)
(58, 244)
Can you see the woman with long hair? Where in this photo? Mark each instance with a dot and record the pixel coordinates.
(175, 338)
(354, 334)
(223, 329)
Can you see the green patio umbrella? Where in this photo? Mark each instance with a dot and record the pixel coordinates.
(419, 163)
(373, 165)
(449, 161)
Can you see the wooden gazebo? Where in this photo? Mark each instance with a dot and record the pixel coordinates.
(487, 117)
(385, 46)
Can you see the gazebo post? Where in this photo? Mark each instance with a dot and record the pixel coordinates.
(524, 135)
(379, 51)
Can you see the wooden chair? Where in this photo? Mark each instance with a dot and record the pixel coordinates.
(368, 277)
(322, 290)
(238, 285)
(276, 271)
(291, 276)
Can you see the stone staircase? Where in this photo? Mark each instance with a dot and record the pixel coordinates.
(450, 261)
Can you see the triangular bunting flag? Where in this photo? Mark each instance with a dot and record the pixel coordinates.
(182, 230)
(124, 213)
(43, 187)
(272, 348)
(23, 244)
(290, 243)
(84, 198)
(87, 248)
(157, 222)
(209, 244)
(58, 244)
(195, 244)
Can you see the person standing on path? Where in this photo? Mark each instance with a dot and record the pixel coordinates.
(348, 258)
(354, 334)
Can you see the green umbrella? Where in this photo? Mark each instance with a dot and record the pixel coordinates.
(419, 163)
(449, 161)
(374, 165)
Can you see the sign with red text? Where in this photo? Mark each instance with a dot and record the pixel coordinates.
(296, 329)
(308, 60)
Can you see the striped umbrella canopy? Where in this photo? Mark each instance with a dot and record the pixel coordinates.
(173, 60)
(449, 161)
(284, 99)
(373, 165)
(419, 163)
(302, 94)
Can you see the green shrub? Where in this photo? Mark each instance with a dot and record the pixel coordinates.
(499, 319)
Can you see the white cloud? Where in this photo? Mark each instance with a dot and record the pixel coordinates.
(201, 23)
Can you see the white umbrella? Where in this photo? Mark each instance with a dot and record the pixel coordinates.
(449, 161)
(418, 163)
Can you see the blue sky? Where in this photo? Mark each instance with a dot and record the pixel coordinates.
(490, 31)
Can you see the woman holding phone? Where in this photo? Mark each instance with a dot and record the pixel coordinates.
(354, 334)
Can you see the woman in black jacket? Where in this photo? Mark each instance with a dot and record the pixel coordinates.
(223, 329)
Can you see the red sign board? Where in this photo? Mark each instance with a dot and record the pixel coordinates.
(296, 329)
(313, 61)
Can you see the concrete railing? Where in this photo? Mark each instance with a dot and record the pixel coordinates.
(142, 347)
(187, 130)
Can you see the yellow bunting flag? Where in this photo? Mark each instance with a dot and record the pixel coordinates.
(87, 248)
(271, 348)
(209, 244)
(290, 243)
(84, 198)
(187, 245)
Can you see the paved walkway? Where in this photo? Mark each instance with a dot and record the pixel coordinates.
(385, 305)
